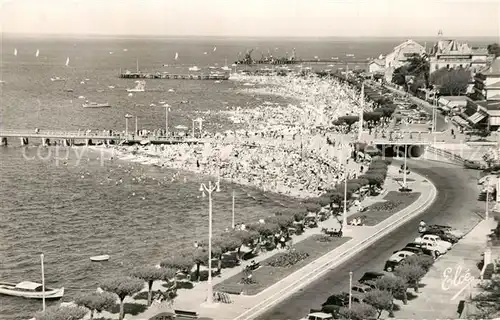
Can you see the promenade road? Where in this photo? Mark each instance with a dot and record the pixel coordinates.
(456, 205)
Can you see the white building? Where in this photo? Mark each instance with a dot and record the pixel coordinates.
(400, 55)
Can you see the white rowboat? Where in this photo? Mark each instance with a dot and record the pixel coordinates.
(103, 257)
(28, 289)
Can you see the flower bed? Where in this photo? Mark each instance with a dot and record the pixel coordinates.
(267, 275)
(379, 211)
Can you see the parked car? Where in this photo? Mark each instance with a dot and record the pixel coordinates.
(396, 259)
(361, 288)
(318, 316)
(445, 236)
(457, 233)
(434, 239)
(338, 299)
(370, 277)
(417, 249)
(436, 248)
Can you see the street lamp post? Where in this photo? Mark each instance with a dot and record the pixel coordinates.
(405, 169)
(350, 289)
(232, 221)
(344, 221)
(127, 116)
(487, 209)
(211, 188)
(136, 129)
(43, 283)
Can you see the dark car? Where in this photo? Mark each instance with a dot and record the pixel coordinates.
(445, 236)
(391, 265)
(415, 250)
(340, 300)
(371, 276)
(418, 246)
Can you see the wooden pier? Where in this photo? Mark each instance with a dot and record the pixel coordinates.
(71, 138)
(168, 76)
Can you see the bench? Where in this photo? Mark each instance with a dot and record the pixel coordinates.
(186, 314)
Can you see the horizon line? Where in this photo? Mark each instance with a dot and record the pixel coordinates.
(98, 35)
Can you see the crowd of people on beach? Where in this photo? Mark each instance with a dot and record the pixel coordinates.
(285, 149)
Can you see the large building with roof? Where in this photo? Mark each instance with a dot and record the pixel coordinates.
(455, 54)
(400, 55)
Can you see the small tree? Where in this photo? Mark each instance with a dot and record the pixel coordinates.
(396, 286)
(151, 274)
(179, 262)
(411, 273)
(487, 301)
(96, 301)
(494, 49)
(61, 313)
(380, 300)
(423, 261)
(123, 287)
(374, 180)
(247, 237)
(358, 311)
(337, 197)
(349, 120)
(451, 82)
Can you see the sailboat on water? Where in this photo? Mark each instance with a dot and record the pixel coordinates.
(54, 78)
(15, 52)
(139, 87)
(37, 53)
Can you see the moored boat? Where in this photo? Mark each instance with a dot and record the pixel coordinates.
(28, 289)
(95, 105)
(103, 257)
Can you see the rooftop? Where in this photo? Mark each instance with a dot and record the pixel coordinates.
(379, 62)
(489, 104)
(451, 47)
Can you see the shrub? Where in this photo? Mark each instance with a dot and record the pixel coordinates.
(288, 259)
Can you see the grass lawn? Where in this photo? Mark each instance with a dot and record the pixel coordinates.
(266, 275)
(395, 201)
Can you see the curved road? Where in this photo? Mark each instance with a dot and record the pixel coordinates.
(456, 205)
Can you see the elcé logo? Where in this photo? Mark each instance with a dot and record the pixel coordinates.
(456, 279)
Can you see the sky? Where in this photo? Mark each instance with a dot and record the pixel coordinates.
(254, 18)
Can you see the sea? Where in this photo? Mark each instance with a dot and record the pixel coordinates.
(71, 203)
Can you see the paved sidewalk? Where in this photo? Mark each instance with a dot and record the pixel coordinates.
(193, 299)
(442, 286)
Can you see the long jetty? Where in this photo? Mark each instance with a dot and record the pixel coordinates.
(168, 76)
(70, 138)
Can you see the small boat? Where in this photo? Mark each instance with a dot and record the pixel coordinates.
(95, 105)
(28, 289)
(68, 90)
(139, 87)
(349, 55)
(57, 79)
(103, 257)
(194, 68)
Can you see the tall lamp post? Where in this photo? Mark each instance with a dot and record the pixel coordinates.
(211, 188)
(232, 210)
(350, 289)
(43, 283)
(136, 129)
(127, 116)
(405, 169)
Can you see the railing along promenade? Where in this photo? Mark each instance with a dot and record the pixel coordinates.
(69, 137)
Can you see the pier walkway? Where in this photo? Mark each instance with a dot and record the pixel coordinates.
(69, 138)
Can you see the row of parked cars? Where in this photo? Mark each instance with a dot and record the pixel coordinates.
(434, 240)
